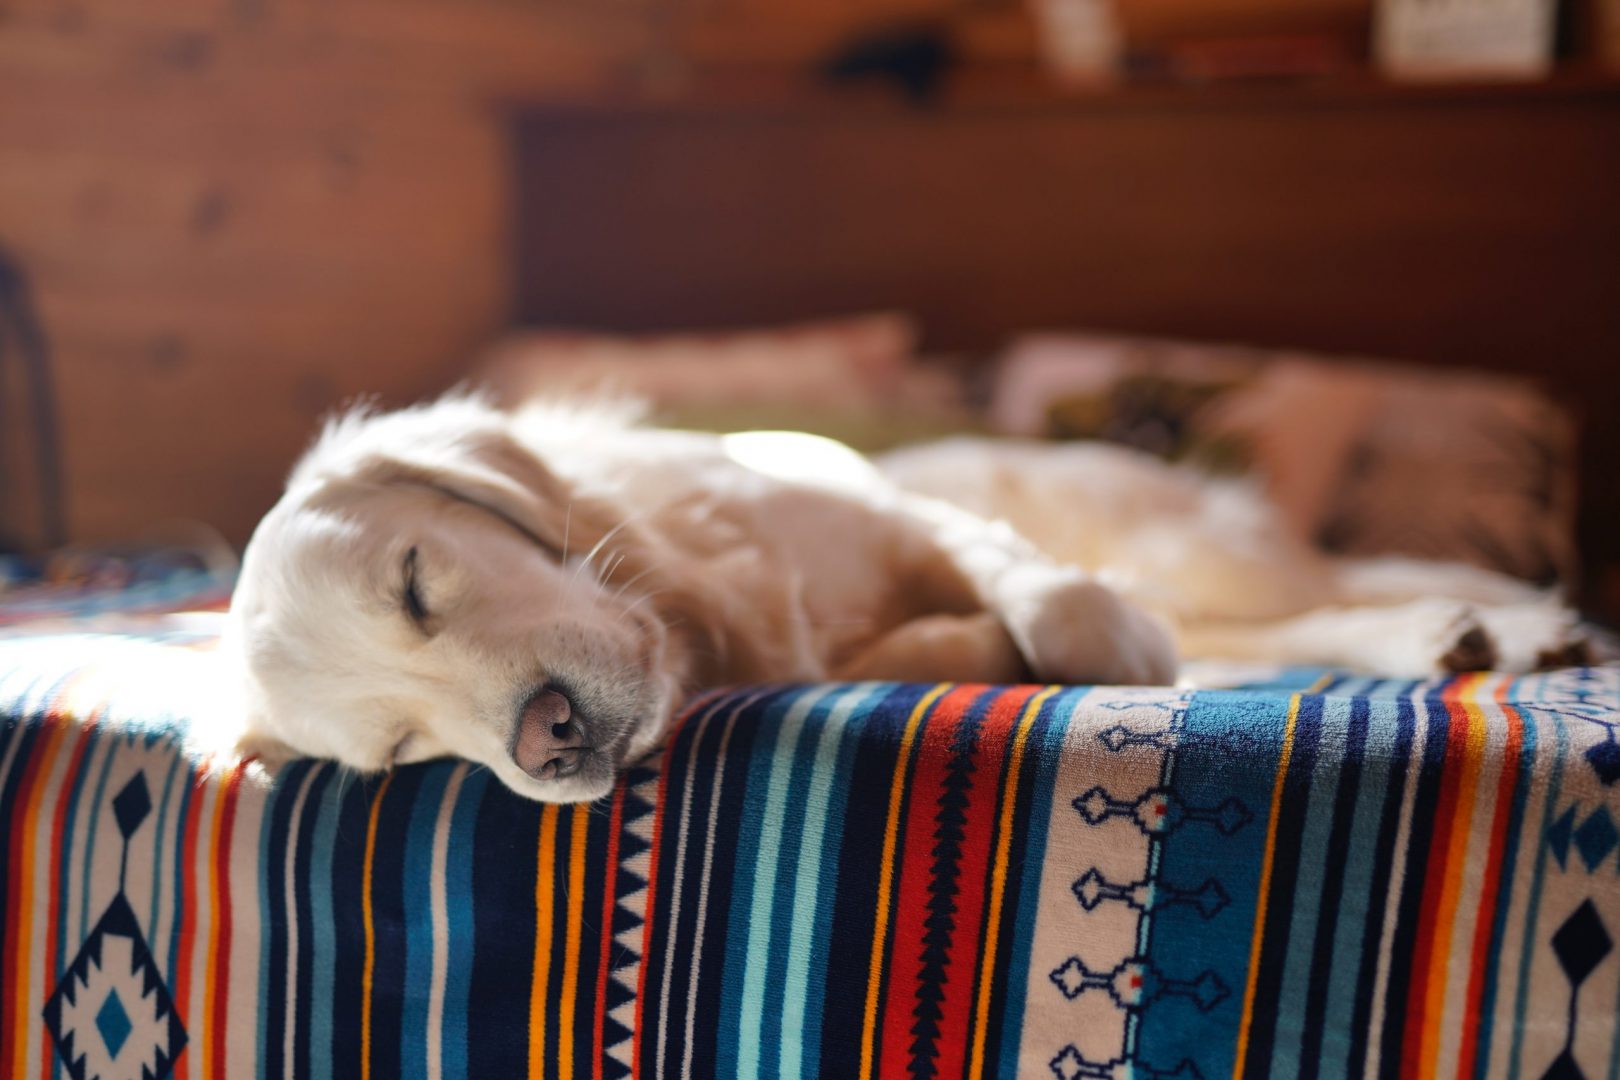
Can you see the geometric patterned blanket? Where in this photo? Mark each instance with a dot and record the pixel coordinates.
(1310, 876)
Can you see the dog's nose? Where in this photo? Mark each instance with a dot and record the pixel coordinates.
(550, 742)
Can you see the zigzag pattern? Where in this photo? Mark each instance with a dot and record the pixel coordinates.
(629, 917)
(951, 821)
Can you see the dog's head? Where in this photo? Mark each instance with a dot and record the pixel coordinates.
(427, 586)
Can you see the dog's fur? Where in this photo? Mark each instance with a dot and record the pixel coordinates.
(566, 547)
(429, 572)
(1215, 560)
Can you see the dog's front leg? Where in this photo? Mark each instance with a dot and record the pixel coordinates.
(1070, 627)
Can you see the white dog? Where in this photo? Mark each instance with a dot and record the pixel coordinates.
(538, 592)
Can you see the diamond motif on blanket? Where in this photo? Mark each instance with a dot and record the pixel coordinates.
(1582, 943)
(111, 1016)
(113, 1023)
(1605, 761)
(1596, 838)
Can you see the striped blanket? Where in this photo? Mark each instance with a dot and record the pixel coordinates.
(1305, 876)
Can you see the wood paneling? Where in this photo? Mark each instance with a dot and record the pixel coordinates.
(1454, 227)
(236, 215)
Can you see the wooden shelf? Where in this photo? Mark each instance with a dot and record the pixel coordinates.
(1017, 88)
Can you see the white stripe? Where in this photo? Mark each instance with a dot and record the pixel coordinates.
(807, 884)
(290, 900)
(1397, 878)
(73, 868)
(244, 886)
(675, 897)
(161, 932)
(441, 924)
(719, 770)
(772, 821)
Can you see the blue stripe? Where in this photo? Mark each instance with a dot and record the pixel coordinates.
(1355, 894)
(827, 894)
(813, 882)
(323, 924)
(770, 812)
(1309, 882)
(91, 738)
(157, 847)
(1555, 768)
(90, 835)
(458, 894)
(742, 882)
(177, 920)
(416, 889)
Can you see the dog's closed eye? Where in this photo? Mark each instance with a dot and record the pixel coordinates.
(411, 595)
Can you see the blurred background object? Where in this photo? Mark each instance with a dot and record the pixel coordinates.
(236, 215)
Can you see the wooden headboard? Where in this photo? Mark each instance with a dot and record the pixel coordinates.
(1459, 226)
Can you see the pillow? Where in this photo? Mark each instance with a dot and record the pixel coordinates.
(853, 379)
(836, 363)
(1362, 457)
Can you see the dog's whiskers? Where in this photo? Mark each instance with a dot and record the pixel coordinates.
(607, 573)
(621, 590)
(602, 543)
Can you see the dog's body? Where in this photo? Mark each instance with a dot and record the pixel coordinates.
(1214, 559)
(537, 592)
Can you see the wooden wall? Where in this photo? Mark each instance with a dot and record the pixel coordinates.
(237, 213)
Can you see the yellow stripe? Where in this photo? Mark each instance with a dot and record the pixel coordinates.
(544, 903)
(371, 930)
(1265, 886)
(891, 833)
(1451, 882)
(210, 972)
(576, 919)
(998, 878)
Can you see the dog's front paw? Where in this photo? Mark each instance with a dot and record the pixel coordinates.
(1537, 636)
(1075, 630)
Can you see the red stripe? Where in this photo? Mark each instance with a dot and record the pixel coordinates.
(915, 856)
(1483, 922)
(53, 925)
(222, 921)
(609, 898)
(185, 918)
(1433, 880)
(13, 1025)
(652, 880)
(978, 840)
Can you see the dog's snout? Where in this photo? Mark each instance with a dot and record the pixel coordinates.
(550, 741)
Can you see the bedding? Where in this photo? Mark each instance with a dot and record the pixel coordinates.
(1363, 457)
(1297, 873)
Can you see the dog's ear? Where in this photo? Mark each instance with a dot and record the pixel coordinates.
(491, 470)
(467, 451)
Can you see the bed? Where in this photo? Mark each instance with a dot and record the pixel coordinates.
(1278, 872)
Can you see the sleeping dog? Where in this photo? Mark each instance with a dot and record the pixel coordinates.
(538, 591)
